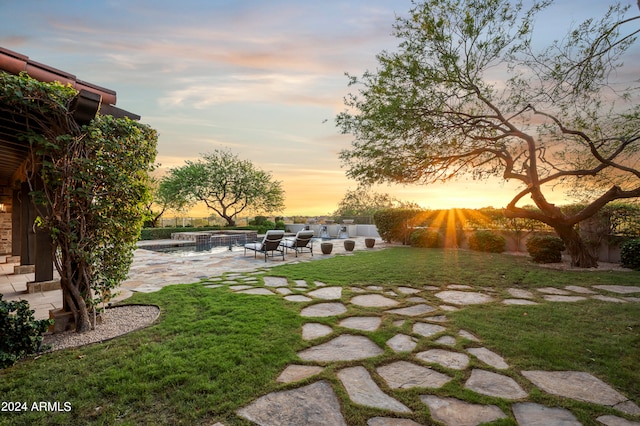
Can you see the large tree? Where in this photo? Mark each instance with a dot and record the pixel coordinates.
(226, 184)
(164, 199)
(470, 92)
(363, 201)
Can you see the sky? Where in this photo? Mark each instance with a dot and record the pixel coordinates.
(264, 79)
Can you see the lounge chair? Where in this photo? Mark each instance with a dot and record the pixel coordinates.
(300, 243)
(270, 245)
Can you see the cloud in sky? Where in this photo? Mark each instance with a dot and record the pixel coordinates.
(263, 78)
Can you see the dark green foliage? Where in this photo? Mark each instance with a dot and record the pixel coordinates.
(426, 238)
(165, 233)
(21, 333)
(630, 254)
(396, 224)
(280, 224)
(545, 248)
(487, 241)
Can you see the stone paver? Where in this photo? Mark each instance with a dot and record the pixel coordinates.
(518, 302)
(361, 323)
(437, 318)
(608, 299)
(390, 421)
(620, 289)
(405, 375)
(579, 289)
(373, 301)
(345, 347)
(578, 385)
(427, 330)
(528, 413)
(323, 310)
(412, 311)
(312, 330)
(312, 405)
(569, 299)
(553, 290)
(364, 391)
(446, 340)
(457, 297)
(520, 294)
(489, 358)
(467, 335)
(408, 290)
(402, 343)
(493, 384)
(610, 420)
(275, 282)
(318, 404)
(454, 412)
(294, 373)
(449, 359)
(327, 293)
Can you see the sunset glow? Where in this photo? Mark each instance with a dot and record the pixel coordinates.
(264, 79)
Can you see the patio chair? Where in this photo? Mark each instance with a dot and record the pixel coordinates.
(270, 245)
(300, 243)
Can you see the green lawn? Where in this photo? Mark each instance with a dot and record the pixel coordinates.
(212, 351)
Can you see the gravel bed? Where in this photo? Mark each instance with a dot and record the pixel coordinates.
(116, 321)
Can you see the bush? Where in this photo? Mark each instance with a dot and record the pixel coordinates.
(21, 333)
(426, 238)
(545, 248)
(396, 224)
(487, 241)
(630, 254)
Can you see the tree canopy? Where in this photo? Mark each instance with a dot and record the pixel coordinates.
(470, 92)
(225, 184)
(362, 201)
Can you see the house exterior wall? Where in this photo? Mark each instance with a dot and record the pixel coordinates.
(5, 220)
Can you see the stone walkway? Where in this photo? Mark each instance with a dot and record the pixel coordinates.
(488, 372)
(151, 271)
(416, 323)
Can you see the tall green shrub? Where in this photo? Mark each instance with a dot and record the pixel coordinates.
(95, 184)
(487, 241)
(426, 238)
(396, 224)
(630, 254)
(545, 248)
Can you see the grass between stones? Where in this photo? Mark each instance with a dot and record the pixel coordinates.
(213, 351)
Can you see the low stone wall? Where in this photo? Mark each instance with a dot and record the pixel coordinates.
(336, 230)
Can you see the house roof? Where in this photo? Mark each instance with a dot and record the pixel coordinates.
(92, 98)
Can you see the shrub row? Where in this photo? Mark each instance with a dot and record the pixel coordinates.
(487, 241)
(165, 233)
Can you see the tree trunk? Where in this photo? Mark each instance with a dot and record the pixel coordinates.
(581, 255)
